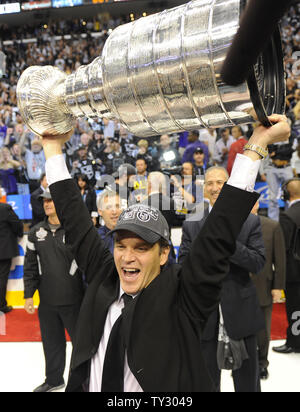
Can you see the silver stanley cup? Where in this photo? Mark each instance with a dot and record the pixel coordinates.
(159, 74)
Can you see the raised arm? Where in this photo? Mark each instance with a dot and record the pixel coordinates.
(207, 265)
(87, 246)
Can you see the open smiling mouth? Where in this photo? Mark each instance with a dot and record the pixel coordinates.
(130, 272)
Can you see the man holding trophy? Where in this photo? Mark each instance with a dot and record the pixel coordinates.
(140, 324)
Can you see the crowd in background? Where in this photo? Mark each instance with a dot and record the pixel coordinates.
(98, 148)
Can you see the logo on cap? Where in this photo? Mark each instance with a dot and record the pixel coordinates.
(143, 213)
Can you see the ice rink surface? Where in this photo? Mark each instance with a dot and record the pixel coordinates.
(22, 369)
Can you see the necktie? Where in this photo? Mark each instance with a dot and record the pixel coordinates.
(113, 368)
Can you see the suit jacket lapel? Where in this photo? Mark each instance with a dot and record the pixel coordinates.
(106, 294)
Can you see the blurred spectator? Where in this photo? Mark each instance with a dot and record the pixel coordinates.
(109, 208)
(184, 188)
(295, 162)
(157, 192)
(113, 157)
(209, 137)
(143, 151)
(50, 268)
(97, 145)
(8, 168)
(21, 172)
(222, 147)
(35, 164)
(121, 184)
(88, 195)
(236, 147)
(139, 181)
(198, 161)
(85, 165)
(290, 224)
(167, 156)
(10, 229)
(194, 143)
(269, 283)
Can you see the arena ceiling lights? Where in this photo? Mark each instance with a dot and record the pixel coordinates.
(33, 5)
(10, 8)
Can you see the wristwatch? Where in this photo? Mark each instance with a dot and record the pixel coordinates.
(257, 149)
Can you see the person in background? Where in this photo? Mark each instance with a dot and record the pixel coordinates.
(38, 212)
(8, 171)
(11, 228)
(236, 147)
(295, 162)
(35, 164)
(290, 223)
(88, 195)
(276, 171)
(85, 165)
(143, 152)
(184, 188)
(122, 182)
(167, 156)
(209, 137)
(241, 317)
(269, 283)
(139, 181)
(222, 147)
(50, 268)
(194, 143)
(109, 209)
(198, 161)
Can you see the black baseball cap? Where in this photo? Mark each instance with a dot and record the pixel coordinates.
(199, 150)
(146, 222)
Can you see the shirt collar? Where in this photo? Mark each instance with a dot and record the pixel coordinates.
(121, 293)
(293, 202)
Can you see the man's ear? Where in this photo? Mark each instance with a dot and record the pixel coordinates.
(164, 255)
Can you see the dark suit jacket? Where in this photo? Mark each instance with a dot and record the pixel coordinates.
(163, 324)
(10, 229)
(239, 302)
(273, 275)
(289, 222)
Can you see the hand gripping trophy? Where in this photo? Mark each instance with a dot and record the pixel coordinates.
(159, 74)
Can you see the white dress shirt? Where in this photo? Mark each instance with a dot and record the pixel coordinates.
(97, 362)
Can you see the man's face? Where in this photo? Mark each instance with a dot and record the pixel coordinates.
(85, 138)
(187, 169)
(199, 158)
(214, 181)
(36, 148)
(141, 166)
(82, 153)
(49, 207)
(236, 133)
(138, 263)
(225, 134)
(111, 211)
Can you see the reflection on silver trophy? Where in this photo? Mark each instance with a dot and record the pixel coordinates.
(159, 74)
